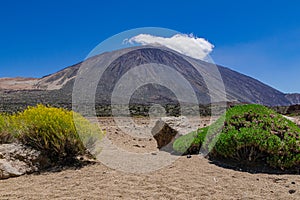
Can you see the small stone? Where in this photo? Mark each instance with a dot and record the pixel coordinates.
(292, 191)
(293, 183)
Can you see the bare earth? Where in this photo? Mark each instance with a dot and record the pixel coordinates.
(185, 178)
(17, 83)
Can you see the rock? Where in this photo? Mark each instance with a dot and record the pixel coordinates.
(292, 191)
(167, 129)
(17, 159)
(7, 169)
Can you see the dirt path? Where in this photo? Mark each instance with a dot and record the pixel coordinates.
(193, 178)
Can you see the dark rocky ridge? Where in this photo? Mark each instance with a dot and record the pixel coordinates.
(56, 89)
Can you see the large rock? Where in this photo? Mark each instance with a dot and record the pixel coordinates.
(17, 159)
(167, 129)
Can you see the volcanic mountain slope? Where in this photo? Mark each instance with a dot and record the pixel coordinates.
(294, 98)
(57, 88)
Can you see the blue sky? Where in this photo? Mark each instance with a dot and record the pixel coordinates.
(257, 38)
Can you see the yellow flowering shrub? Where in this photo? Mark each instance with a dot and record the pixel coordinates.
(54, 132)
(5, 134)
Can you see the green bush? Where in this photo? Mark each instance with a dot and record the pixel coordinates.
(190, 143)
(53, 132)
(249, 133)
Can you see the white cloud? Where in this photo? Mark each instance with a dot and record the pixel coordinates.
(189, 45)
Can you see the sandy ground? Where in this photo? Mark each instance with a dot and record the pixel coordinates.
(17, 83)
(184, 178)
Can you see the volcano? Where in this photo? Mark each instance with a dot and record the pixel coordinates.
(56, 89)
